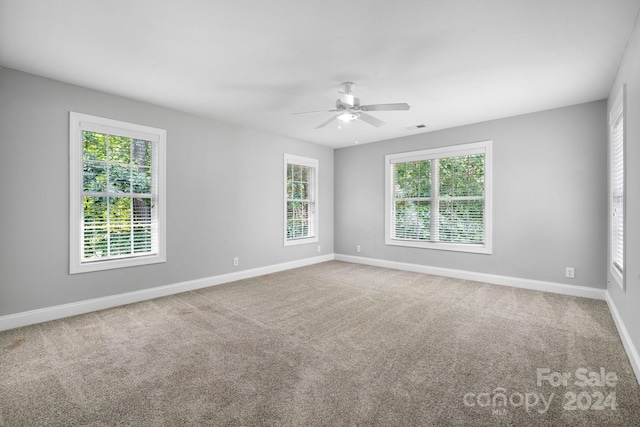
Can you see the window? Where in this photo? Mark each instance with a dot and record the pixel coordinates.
(301, 200)
(117, 194)
(617, 188)
(440, 198)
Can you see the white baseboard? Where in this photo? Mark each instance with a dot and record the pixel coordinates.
(72, 309)
(632, 351)
(536, 285)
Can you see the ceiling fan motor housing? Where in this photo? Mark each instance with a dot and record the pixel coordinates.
(347, 101)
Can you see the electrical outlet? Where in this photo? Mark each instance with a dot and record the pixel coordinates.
(319, 248)
(570, 272)
(358, 248)
(236, 261)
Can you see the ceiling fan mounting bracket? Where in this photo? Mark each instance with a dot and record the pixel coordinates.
(347, 87)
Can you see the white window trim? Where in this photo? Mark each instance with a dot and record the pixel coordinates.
(617, 112)
(303, 161)
(450, 151)
(79, 122)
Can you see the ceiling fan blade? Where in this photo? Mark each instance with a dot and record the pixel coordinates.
(312, 112)
(385, 107)
(371, 120)
(323, 124)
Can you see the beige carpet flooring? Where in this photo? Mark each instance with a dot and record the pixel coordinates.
(333, 344)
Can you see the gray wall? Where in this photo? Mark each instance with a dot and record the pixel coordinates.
(549, 199)
(628, 302)
(224, 191)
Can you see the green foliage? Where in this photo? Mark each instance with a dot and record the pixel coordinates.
(119, 149)
(94, 146)
(413, 179)
(117, 202)
(462, 176)
(116, 164)
(297, 182)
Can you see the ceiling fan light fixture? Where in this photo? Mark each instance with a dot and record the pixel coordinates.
(347, 116)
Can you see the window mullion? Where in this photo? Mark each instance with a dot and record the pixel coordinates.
(107, 160)
(132, 204)
(435, 200)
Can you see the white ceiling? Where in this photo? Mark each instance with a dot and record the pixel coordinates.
(254, 62)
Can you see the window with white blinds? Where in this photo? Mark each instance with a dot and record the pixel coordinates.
(440, 198)
(117, 188)
(617, 190)
(300, 200)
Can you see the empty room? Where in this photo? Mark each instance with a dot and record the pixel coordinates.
(320, 213)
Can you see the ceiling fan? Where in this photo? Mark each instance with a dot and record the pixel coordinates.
(350, 109)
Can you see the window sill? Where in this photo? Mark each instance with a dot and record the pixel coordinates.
(471, 248)
(111, 264)
(294, 242)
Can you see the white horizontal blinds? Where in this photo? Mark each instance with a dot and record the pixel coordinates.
(119, 194)
(617, 184)
(439, 199)
(300, 201)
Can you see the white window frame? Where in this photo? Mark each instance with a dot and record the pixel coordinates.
(617, 188)
(78, 123)
(313, 200)
(484, 147)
